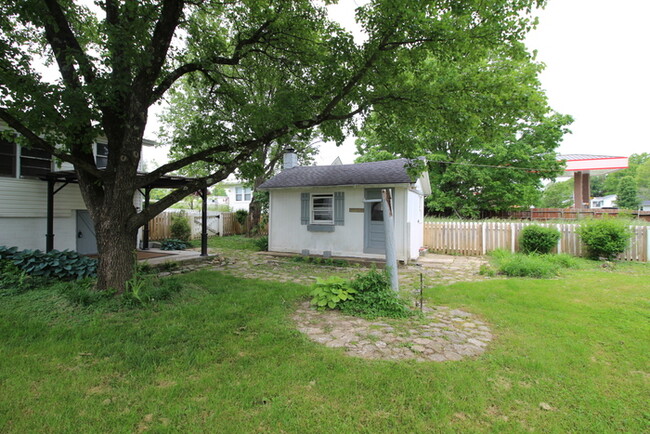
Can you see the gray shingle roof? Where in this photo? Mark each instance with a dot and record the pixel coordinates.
(378, 172)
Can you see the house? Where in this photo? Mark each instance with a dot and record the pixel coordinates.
(24, 198)
(239, 195)
(334, 210)
(645, 205)
(608, 201)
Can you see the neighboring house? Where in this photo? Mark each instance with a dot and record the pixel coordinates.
(23, 200)
(608, 201)
(645, 205)
(333, 210)
(239, 195)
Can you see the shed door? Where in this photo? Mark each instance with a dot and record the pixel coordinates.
(86, 238)
(374, 234)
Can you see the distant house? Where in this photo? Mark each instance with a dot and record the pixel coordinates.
(24, 182)
(335, 210)
(239, 195)
(608, 201)
(645, 205)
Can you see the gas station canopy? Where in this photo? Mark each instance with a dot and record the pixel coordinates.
(582, 166)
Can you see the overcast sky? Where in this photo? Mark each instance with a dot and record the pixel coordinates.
(597, 58)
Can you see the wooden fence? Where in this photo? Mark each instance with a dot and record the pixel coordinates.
(477, 238)
(220, 223)
(573, 213)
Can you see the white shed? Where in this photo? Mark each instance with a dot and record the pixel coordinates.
(329, 210)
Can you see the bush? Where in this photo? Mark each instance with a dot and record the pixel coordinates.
(375, 298)
(63, 265)
(173, 244)
(180, 227)
(329, 293)
(605, 238)
(13, 280)
(538, 239)
(262, 243)
(241, 215)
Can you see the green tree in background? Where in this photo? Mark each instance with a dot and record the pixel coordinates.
(627, 194)
(557, 195)
(483, 123)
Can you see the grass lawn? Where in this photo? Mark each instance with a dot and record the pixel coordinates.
(570, 354)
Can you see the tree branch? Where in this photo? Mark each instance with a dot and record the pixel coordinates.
(63, 43)
(236, 57)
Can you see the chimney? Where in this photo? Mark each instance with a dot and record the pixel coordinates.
(290, 159)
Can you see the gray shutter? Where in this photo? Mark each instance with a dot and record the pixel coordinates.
(304, 208)
(339, 208)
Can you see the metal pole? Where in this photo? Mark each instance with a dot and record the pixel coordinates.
(389, 230)
(204, 223)
(49, 236)
(145, 229)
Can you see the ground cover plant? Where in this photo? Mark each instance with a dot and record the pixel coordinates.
(569, 354)
(530, 265)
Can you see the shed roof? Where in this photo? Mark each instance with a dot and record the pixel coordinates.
(377, 172)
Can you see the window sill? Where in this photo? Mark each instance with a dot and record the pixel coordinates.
(320, 228)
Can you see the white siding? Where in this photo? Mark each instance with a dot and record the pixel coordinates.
(286, 234)
(29, 233)
(416, 223)
(28, 198)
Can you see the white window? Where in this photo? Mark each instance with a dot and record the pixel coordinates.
(322, 208)
(242, 193)
(101, 160)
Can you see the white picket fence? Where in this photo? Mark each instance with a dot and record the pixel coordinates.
(478, 238)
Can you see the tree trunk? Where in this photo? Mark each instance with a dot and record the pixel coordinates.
(116, 248)
(254, 214)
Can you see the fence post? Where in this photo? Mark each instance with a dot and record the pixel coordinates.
(483, 232)
(559, 240)
(647, 244)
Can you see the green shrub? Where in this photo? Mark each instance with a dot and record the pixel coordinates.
(330, 292)
(63, 265)
(564, 260)
(262, 243)
(375, 298)
(173, 244)
(486, 270)
(538, 239)
(241, 215)
(605, 238)
(180, 227)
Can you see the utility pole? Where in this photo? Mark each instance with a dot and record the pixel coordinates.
(389, 230)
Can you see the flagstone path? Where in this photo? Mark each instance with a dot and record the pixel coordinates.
(441, 334)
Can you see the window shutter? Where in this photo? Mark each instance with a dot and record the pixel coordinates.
(339, 208)
(304, 208)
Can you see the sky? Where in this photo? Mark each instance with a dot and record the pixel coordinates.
(597, 57)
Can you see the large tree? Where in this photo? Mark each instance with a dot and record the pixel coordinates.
(482, 121)
(115, 59)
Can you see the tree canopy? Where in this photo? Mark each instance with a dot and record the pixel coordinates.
(483, 122)
(272, 70)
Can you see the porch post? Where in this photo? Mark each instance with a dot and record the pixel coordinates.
(204, 222)
(577, 190)
(49, 236)
(145, 229)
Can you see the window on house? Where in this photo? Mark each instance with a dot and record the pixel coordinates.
(242, 193)
(322, 208)
(7, 158)
(34, 162)
(101, 160)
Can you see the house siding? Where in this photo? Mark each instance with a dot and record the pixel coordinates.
(287, 234)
